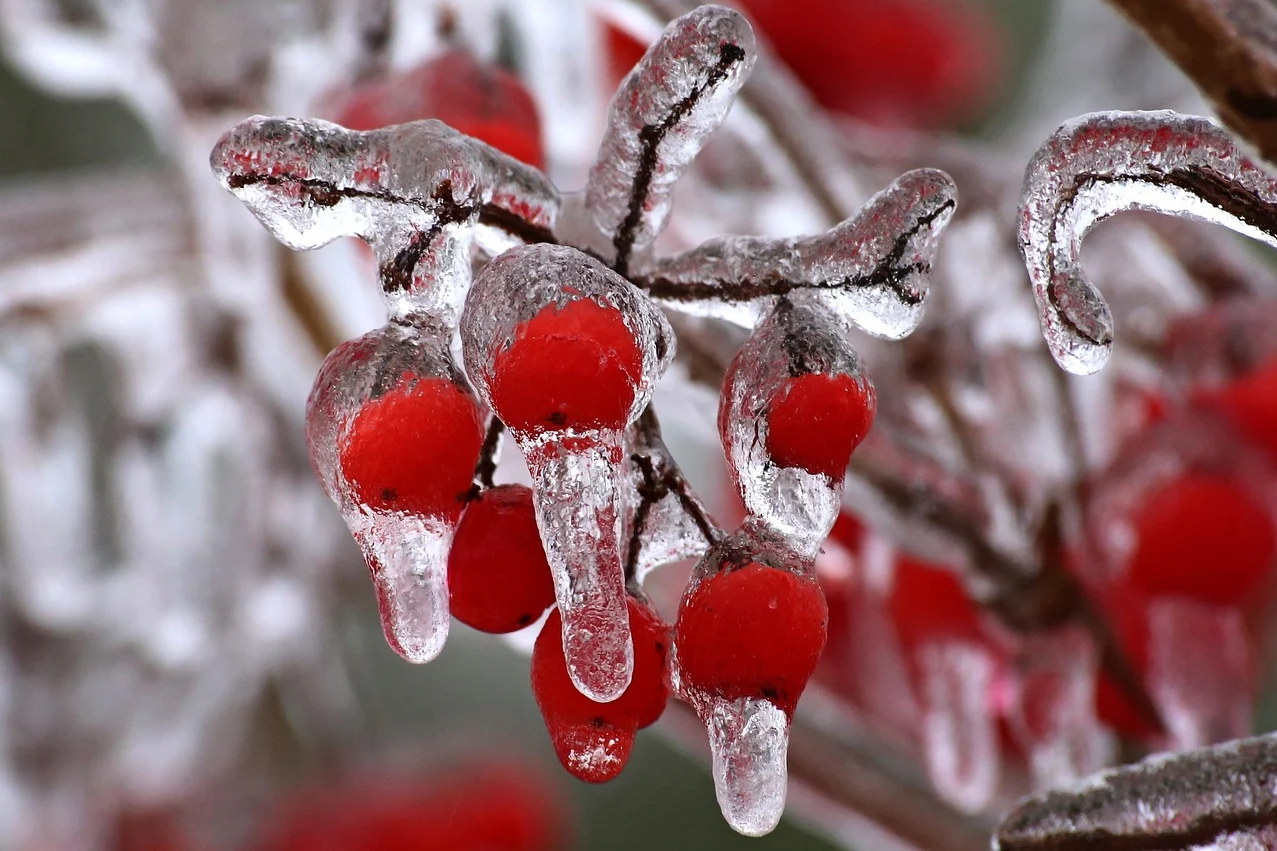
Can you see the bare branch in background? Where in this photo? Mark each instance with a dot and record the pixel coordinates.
(1229, 50)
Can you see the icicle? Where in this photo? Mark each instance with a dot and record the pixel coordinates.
(659, 119)
(874, 269)
(1053, 714)
(566, 353)
(749, 743)
(959, 732)
(1200, 671)
(415, 192)
(796, 401)
(395, 436)
(1105, 163)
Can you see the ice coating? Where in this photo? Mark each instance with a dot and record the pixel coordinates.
(406, 551)
(415, 192)
(800, 337)
(1200, 671)
(669, 521)
(659, 119)
(579, 476)
(749, 745)
(874, 268)
(1171, 801)
(748, 733)
(959, 732)
(1053, 713)
(1105, 163)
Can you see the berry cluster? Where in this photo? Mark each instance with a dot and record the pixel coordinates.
(557, 305)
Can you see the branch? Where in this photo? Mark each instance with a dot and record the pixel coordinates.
(1228, 50)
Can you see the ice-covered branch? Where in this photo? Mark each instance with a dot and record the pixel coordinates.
(660, 118)
(1102, 164)
(874, 268)
(1219, 797)
(1226, 49)
(414, 192)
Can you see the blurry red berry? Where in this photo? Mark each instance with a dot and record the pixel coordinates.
(498, 577)
(476, 98)
(569, 368)
(476, 808)
(414, 449)
(929, 602)
(1203, 537)
(752, 631)
(816, 421)
(593, 740)
(1251, 402)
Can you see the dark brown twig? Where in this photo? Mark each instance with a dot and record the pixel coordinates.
(1229, 51)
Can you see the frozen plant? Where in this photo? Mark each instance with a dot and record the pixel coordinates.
(564, 340)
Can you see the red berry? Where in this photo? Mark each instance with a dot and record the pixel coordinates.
(929, 602)
(1251, 402)
(477, 808)
(901, 62)
(414, 449)
(1203, 537)
(569, 368)
(752, 631)
(476, 98)
(816, 421)
(498, 578)
(593, 740)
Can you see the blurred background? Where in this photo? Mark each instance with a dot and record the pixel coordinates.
(190, 653)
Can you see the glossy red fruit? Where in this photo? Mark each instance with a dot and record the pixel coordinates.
(816, 421)
(570, 368)
(593, 740)
(751, 631)
(476, 98)
(498, 577)
(414, 448)
(1204, 537)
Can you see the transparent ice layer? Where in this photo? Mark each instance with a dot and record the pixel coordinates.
(874, 269)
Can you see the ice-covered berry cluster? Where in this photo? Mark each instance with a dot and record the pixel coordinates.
(516, 310)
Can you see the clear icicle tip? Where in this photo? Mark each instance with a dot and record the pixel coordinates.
(749, 741)
(408, 559)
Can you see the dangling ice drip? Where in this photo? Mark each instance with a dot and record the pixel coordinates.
(659, 118)
(415, 192)
(750, 630)
(395, 435)
(566, 352)
(1098, 165)
(874, 268)
(796, 402)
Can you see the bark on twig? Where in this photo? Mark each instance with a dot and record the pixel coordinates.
(1229, 51)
